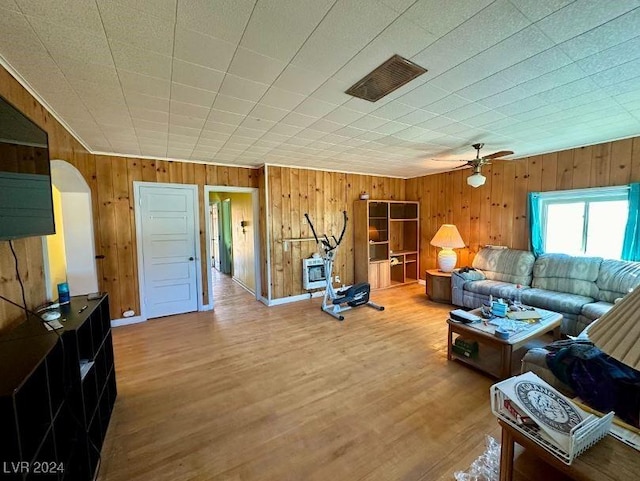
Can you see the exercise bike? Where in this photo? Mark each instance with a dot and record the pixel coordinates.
(335, 302)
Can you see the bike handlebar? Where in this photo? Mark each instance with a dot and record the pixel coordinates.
(326, 242)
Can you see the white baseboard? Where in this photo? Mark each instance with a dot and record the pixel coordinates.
(242, 284)
(300, 297)
(125, 321)
(206, 307)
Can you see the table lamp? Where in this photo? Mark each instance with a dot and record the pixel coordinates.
(448, 238)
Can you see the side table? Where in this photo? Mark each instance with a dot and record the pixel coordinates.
(608, 460)
(438, 286)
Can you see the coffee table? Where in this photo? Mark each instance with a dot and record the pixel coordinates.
(493, 347)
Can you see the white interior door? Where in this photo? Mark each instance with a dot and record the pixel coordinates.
(167, 225)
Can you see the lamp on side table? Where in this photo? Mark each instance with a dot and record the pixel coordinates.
(448, 238)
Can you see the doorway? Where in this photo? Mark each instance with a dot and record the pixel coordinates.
(69, 254)
(225, 235)
(214, 215)
(233, 234)
(168, 246)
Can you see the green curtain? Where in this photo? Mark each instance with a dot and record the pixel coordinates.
(535, 224)
(631, 244)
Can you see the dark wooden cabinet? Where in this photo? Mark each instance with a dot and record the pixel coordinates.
(57, 391)
(438, 286)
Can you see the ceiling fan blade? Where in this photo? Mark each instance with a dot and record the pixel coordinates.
(495, 155)
(453, 160)
(463, 166)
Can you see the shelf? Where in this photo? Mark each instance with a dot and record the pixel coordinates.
(391, 230)
(55, 385)
(489, 357)
(85, 367)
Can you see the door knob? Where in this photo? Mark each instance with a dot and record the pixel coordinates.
(191, 258)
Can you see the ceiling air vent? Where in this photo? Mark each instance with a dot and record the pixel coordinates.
(392, 74)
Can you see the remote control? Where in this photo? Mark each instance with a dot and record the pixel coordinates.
(463, 316)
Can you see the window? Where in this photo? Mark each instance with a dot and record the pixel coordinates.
(587, 222)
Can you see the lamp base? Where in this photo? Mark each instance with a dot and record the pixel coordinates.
(447, 259)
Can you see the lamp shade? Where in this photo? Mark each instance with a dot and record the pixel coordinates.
(447, 236)
(476, 180)
(617, 332)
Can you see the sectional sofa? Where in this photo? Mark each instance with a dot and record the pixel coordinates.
(579, 288)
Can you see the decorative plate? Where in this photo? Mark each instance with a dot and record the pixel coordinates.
(547, 407)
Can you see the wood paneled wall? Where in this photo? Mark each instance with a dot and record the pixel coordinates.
(264, 256)
(243, 248)
(115, 220)
(29, 250)
(323, 195)
(496, 213)
(111, 182)
(493, 214)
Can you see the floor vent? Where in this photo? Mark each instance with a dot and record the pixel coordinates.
(389, 76)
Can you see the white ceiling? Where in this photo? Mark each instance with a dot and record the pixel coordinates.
(245, 82)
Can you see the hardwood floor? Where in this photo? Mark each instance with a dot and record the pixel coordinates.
(247, 392)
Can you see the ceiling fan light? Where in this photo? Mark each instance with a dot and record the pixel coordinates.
(476, 180)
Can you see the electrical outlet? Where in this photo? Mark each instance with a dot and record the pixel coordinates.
(336, 279)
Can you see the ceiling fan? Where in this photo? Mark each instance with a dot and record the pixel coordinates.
(477, 179)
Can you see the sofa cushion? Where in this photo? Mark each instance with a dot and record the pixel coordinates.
(506, 291)
(564, 273)
(507, 265)
(487, 287)
(555, 301)
(594, 310)
(617, 278)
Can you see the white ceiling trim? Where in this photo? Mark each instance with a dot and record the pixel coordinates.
(171, 159)
(293, 166)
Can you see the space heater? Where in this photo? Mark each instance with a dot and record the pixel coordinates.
(313, 274)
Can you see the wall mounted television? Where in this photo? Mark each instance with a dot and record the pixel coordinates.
(26, 205)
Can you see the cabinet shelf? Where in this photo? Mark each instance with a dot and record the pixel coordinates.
(49, 385)
(386, 230)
